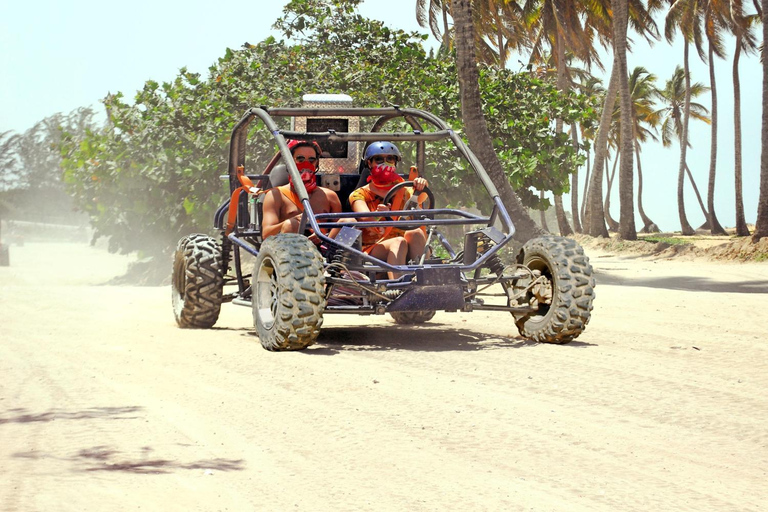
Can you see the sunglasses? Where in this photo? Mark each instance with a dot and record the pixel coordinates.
(301, 159)
(390, 159)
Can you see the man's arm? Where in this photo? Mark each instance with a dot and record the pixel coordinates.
(270, 218)
(333, 201)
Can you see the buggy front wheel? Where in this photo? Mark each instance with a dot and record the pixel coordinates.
(563, 290)
(288, 292)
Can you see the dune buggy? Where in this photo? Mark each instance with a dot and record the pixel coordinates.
(291, 283)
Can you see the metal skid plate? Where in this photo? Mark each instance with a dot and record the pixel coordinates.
(434, 289)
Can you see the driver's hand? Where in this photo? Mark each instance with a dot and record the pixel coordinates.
(420, 183)
(382, 208)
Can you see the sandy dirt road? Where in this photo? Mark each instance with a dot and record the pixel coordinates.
(662, 404)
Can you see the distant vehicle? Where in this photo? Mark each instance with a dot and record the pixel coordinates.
(548, 290)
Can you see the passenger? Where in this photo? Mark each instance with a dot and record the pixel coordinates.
(282, 208)
(392, 245)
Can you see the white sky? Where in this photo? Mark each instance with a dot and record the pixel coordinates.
(57, 56)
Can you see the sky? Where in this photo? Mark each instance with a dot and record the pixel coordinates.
(58, 56)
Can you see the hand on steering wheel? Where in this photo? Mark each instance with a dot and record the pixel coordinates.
(413, 201)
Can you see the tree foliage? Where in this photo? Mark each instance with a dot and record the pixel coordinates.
(152, 173)
(31, 185)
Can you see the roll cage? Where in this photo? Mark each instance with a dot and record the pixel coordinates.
(246, 234)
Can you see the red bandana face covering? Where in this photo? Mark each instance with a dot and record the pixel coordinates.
(384, 176)
(307, 170)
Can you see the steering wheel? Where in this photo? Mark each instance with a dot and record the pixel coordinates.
(412, 202)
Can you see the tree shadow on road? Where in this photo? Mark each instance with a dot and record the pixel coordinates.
(21, 415)
(106, 458)
(431, 337)
(684, 283)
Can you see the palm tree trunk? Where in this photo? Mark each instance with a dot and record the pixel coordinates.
(474, 120)
(648, 225)
(586, 189)
(500, 42)
(446, 33)
(741, 223)
(612, 224)
(685, 227)
(562, 220)
(698, 197)
(626, 228)
(761, 226)
(575, 184)
(543, 213)
(594, 222)
(714, 225)
(562, 86)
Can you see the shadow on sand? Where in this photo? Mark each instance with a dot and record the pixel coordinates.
(683, 283)
(430, 337)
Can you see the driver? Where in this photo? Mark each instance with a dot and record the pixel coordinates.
(391, 244)
(282, 209)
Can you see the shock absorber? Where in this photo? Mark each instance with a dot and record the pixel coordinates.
(494, 263)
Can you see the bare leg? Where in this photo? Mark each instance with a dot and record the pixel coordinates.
(393, 251)
(417, 241)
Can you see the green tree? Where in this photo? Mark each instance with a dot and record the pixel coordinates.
(153, 169)
(9, 168)
(30, 173)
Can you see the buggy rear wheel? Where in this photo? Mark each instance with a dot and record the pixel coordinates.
(198, 281)
(412, 317)
(288, 293)
(564, 291)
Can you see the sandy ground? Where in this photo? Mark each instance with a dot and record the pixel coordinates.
(662, 404)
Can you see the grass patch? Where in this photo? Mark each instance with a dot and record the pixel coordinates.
(667, 240)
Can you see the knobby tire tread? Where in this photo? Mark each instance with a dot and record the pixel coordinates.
(300, 294)
(197, 295)
(573, 291)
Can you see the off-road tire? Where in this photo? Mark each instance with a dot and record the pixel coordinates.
(198, 281)
(563, 261)
(412, 317)
(288, 293)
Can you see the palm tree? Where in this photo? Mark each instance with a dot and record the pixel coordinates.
(645, 120)
(498, 27)
(745, 41)
(556, 28)
(684, 15)
(592, 87)
(474, 119)
(610, 178)
(430, 14)
(594, 223)
(716, 15)
(761, 225)
(627, 229)
(676, 97)
(499, 22)
(640, 18)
